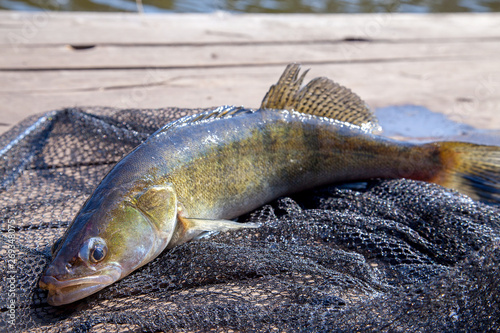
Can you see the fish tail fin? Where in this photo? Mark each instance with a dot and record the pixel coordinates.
(471, 169)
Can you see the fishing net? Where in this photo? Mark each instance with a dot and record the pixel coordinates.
(382, 255)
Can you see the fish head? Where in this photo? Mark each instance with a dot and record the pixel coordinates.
(108, 240)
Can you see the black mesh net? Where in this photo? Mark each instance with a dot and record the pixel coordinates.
(381, 255)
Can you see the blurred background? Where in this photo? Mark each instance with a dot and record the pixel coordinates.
(257, 6)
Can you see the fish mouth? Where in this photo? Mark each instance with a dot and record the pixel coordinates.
(68, 291)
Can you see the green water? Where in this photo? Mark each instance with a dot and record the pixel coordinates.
(257, 6)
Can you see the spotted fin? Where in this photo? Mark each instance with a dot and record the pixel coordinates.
(320, 97)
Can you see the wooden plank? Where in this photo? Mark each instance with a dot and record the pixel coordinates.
(19, 28)
(120, 57)
(202, 60)
(466, 90)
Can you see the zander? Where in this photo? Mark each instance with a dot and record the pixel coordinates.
(195, 174)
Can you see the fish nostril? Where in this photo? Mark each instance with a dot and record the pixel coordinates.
(58, 269)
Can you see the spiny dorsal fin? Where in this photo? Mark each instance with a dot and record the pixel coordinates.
(225, 111)
(320, 97)
(283, 94)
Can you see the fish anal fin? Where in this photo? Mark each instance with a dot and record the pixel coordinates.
(320, 97)
(194, 228)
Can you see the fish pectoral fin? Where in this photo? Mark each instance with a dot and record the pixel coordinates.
(320, 97)
(196, 228)
(218, 225)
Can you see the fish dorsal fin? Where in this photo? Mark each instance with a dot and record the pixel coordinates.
(320, 97)
(226, 111)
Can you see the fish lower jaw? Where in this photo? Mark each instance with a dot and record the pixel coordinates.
(57, 297)
(71, 290)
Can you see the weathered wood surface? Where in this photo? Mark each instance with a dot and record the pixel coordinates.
(449, 63)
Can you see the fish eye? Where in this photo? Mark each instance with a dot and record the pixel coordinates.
(93, 250)
(98, 252)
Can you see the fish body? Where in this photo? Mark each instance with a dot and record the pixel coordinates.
(196, 174)
(236, 164)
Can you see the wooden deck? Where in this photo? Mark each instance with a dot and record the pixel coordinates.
(449, 63)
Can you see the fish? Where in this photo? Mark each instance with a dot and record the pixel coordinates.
(196, 175)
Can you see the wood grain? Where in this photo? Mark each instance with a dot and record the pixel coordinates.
(446, 62)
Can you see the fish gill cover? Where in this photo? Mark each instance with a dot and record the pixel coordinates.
(386, 255)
